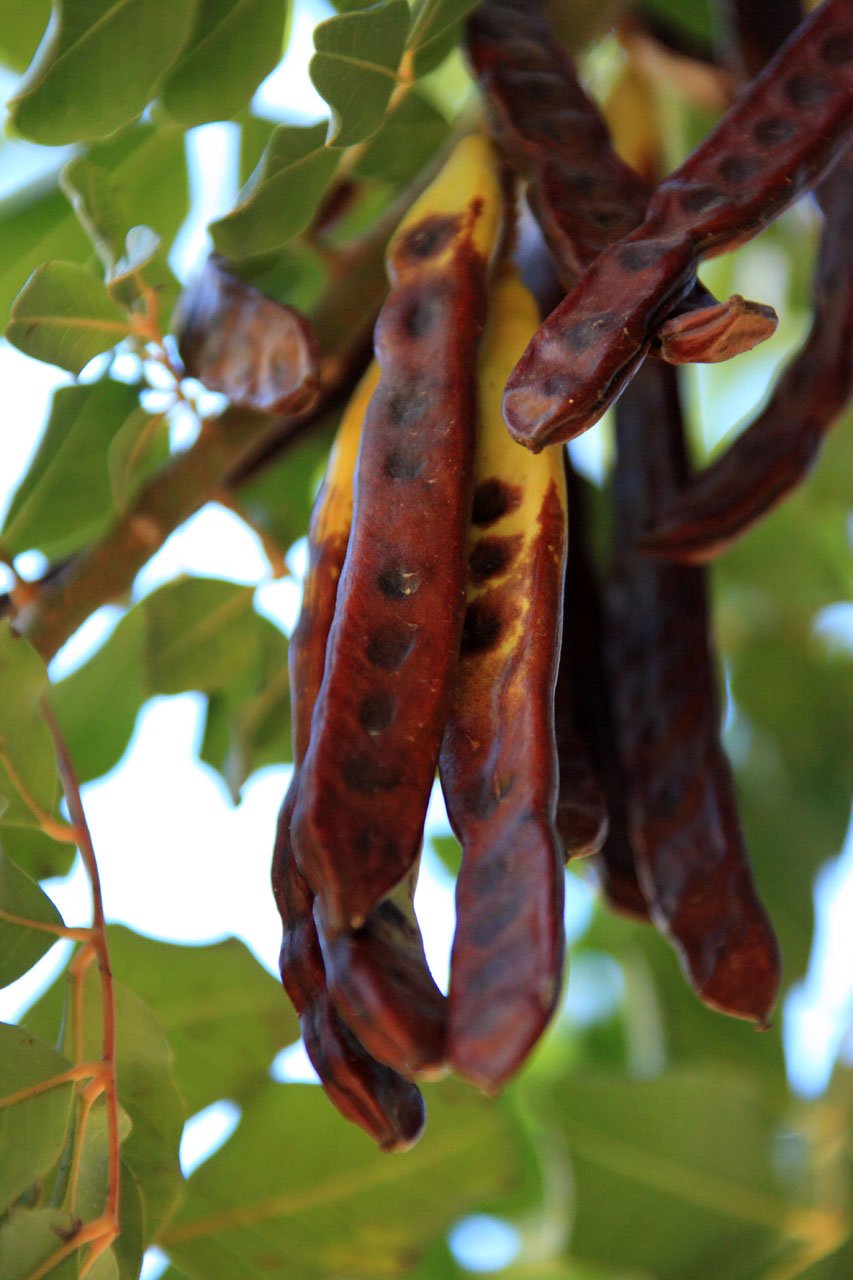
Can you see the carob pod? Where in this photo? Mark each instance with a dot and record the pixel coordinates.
(584, 711)
(393, 647)
(583, 195)
(382, 1102)
(779, 138)
(498, 762)
(682, 815)
(775, 452)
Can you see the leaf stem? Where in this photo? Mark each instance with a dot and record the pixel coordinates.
(53, 827)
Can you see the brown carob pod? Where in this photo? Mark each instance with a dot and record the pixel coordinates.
(583, 195)
(682, 814)
(367, 1092)
(778, 139)
(498, 760)
(392, 651)
(583, 711)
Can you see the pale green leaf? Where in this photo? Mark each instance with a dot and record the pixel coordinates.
(248, 1214)
(66, 496)
(355, 67)
(282, 195)
(98, 67)
(233, 46)
(225, 1016)
(29, 1237)
(21, 898)
(25, 740)
(64, 315)
(436, 28)
(23, 24)
(198, 635)
(32, 1131)
(138, 448)
(409, 137)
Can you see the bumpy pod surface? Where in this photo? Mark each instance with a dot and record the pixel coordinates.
(392, 651)
(585, 725)
(498, 759)
(387, 1106)
(583, 195)
(778, 139)
(682, 816)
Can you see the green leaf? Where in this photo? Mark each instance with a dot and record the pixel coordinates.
(435, 30)
(24, 737)
(673, 1176)
(449, 852)
(112, 678)
(36, 853)
(225, 1016)
(32, 1131)
(21, 946)
(279, 499)
(66, 496)
(247, 1216)
(98, 67)
(199, 635)
(147, 170)
(137, 449)
(23, 24)
(233, 46)
(146, 1087)
(282, 195)
(355, 67)
(405, 142)
(64, 316)
(28, 1237)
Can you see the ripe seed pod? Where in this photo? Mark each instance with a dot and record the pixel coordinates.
(358, 822)
(780, 136)
(582, 194)
(363, 1089)
(498, 760)
(682, 815)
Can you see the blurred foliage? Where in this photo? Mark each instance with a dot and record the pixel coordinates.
(648, 1139)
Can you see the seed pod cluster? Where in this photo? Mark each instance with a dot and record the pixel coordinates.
(455, 620)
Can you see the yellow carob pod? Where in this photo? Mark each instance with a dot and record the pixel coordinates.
(364, 1090)
(394, 643)
(498, 758)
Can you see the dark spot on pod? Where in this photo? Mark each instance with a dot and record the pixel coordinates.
(606, 217)
(493, 499)
(482, 627)
(364, 773)
(490, 557)
(389, 647)
(421, 317)
(773, 131)
(397, 583)
(587, 332)
(400, 465)
(376, 711)
(636, 257)
(695, 199)
(556, 385)
(488, 925)
(737, 168)
(837, 50)
(429, 237)
(404, 406)
(392, 915)
(807, 90)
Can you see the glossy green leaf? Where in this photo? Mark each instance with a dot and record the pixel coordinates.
(98, 67)
(248, 1214)
(233, 46)
(147, 170)
(23, 25)
(66, 497)
(25, 740)
(405, 142)
(435, 30)
(355, 67)
(64, 315)
(198, 635)
(32, 1131)
(29, 1237)
(225, 1016)
(21, 899)
(113, 677)
(146, 1087)
(282, 195)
